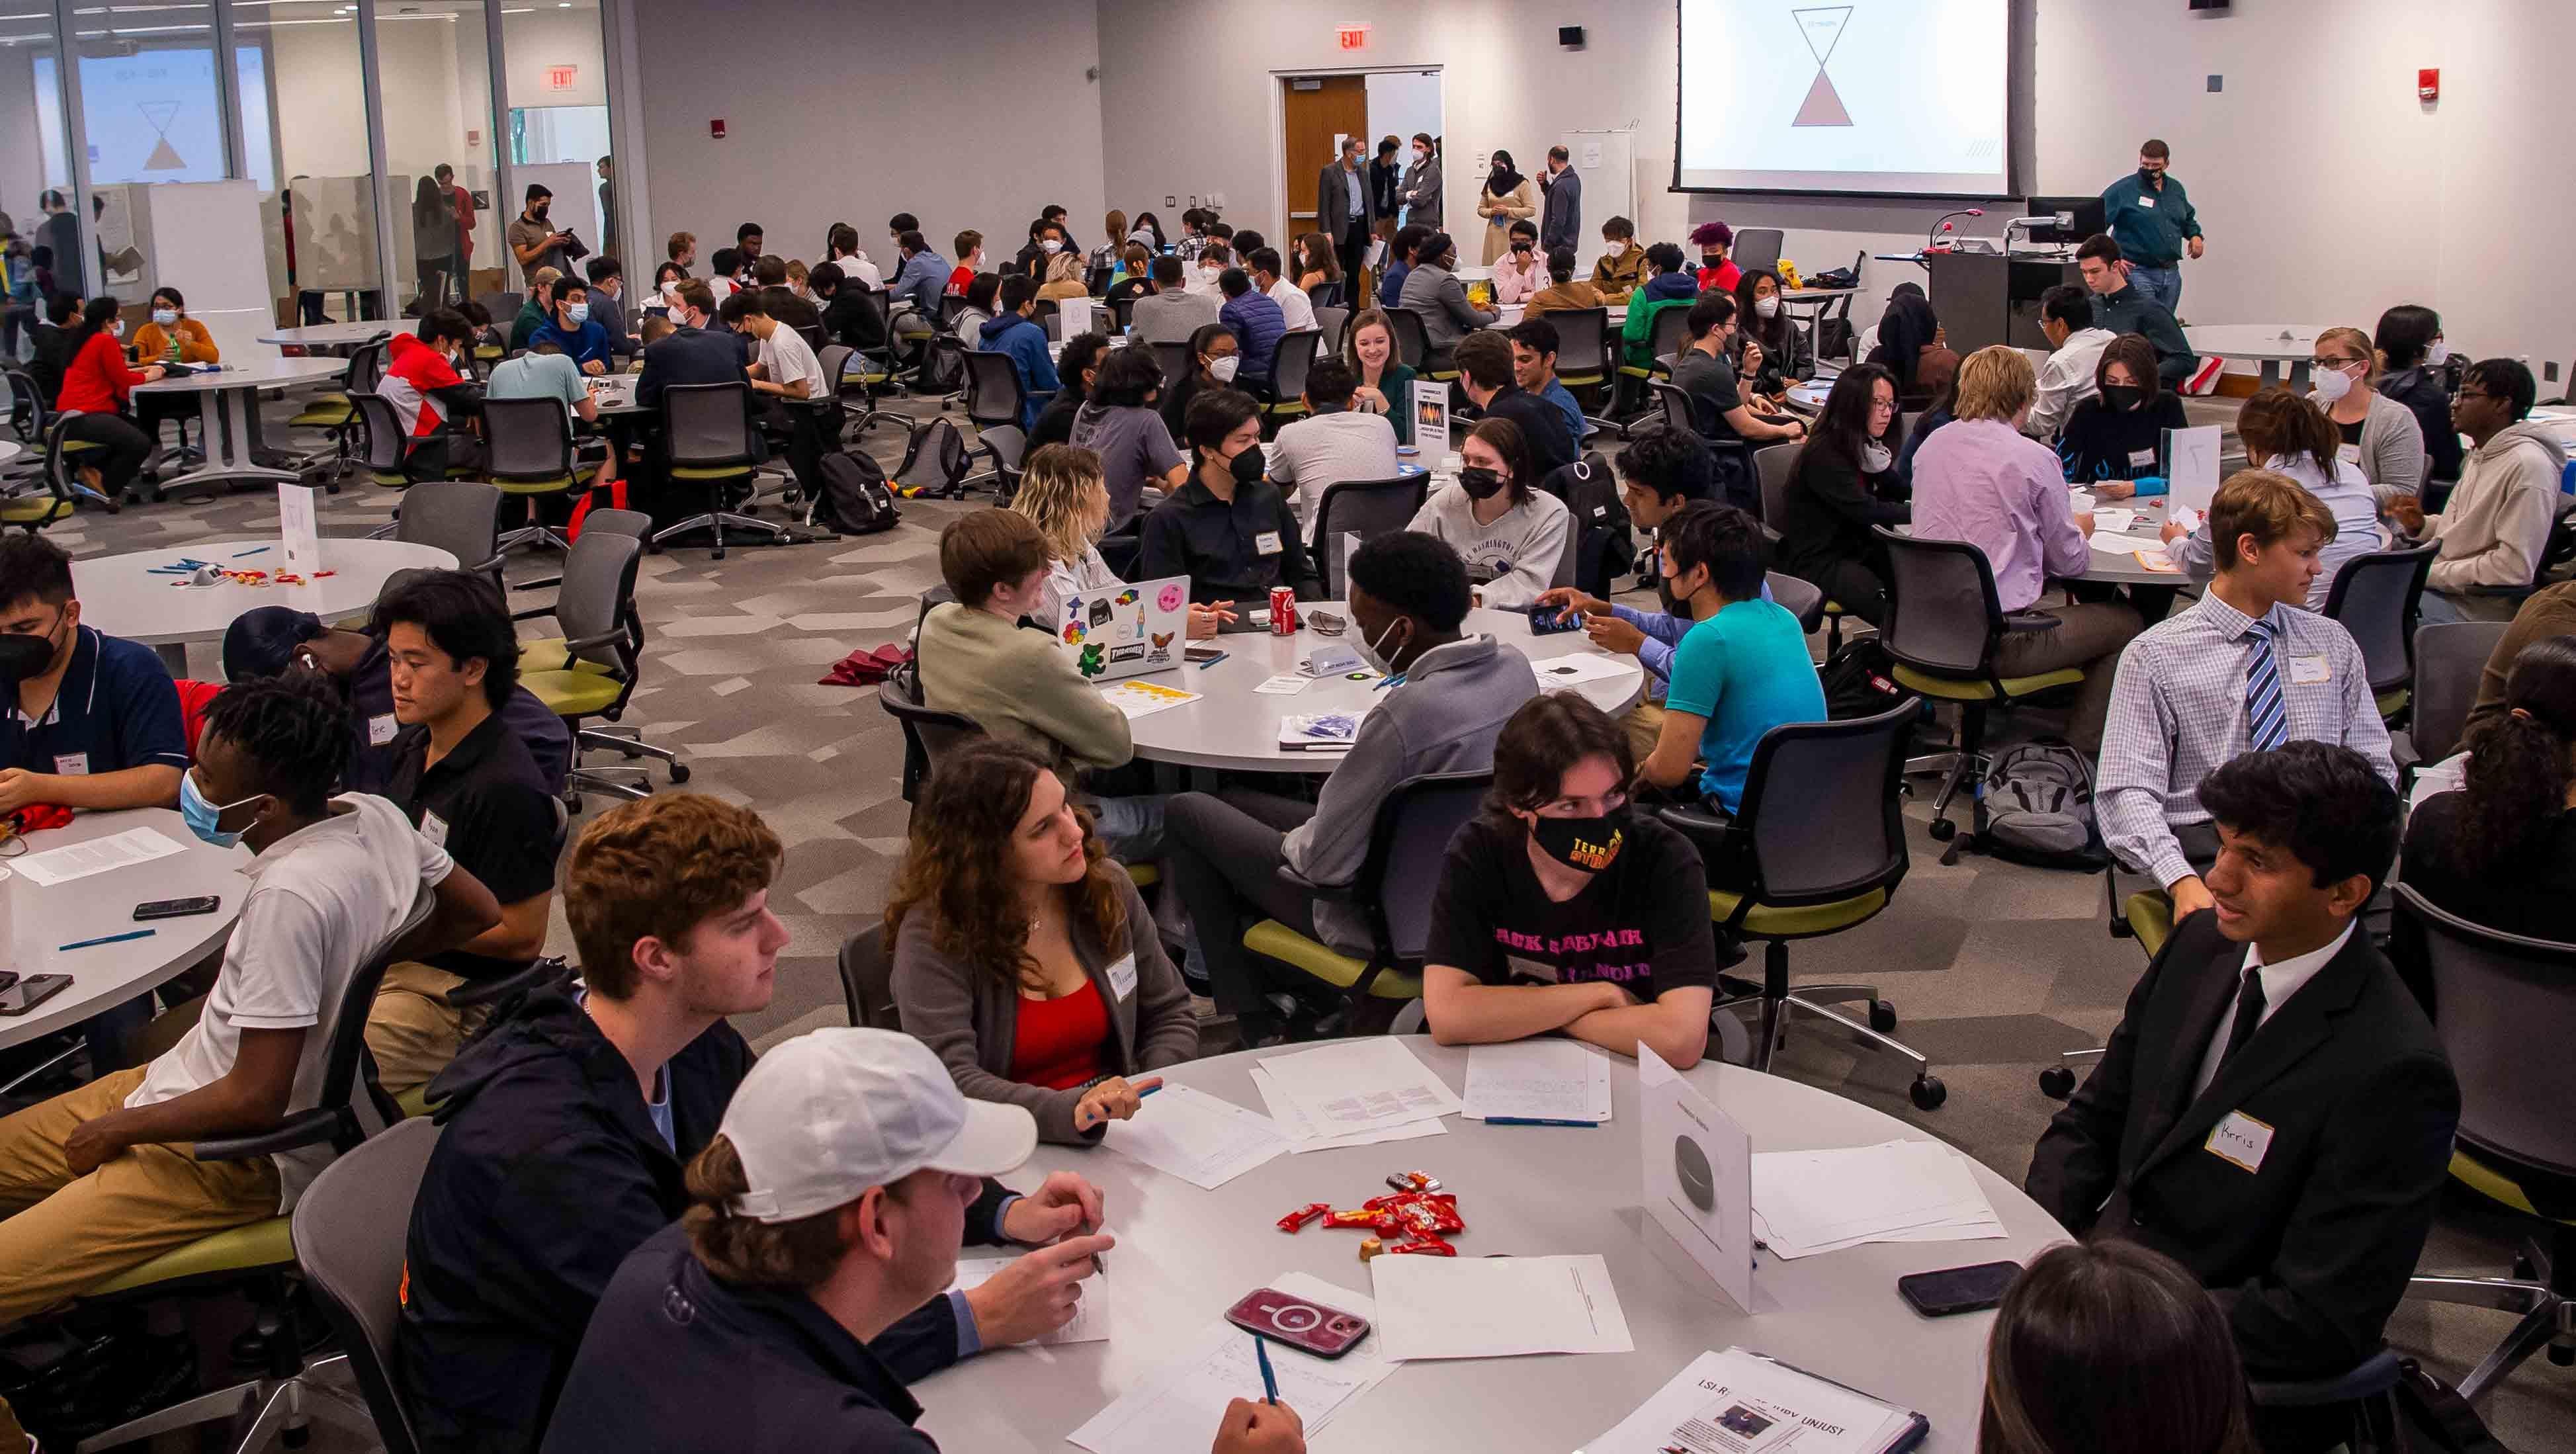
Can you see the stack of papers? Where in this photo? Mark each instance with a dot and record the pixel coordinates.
(1091, 1315)
(1372, 1084)
(1179, 1405)
(1806, 1202)
(1303, 1136)
(1737, 1402)
(1497, 1307)
(1560, 672)
(1546, 1082)
(99, 855)
(1196, 1137)
(1139, 699)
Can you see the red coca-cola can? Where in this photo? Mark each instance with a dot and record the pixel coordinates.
(1283, 611)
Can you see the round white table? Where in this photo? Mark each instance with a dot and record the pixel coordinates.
(10, 449)
(2120, 567)
(106, 975)
(1231, 725)
(1184, 1255)
(230, 399)
(2269, 344)
(120, 596)
(331, 335)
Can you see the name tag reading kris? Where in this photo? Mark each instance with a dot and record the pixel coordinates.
(1266, 543)
(2240, 1139)
(2307, 671)
(1122, 977)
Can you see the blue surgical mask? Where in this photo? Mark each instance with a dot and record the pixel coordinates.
(165, 316)
(579, 313)
(202, 816)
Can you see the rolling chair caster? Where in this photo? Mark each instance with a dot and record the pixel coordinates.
(2057, 1082)
(679, 772)
(1882, 1018)
(1927, 1092)
(1943, 830)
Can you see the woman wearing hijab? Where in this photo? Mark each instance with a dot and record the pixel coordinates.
(1910, 346)
(1507, 198)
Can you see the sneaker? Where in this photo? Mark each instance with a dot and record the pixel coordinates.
(2204, 379)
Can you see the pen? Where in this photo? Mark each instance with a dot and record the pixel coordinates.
(109, 939)
(1534, 1121)
(1386, 682)
(1269, 1380)
(242, 554)
(1149, 1090)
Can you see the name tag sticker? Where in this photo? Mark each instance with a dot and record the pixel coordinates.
(71, 764)
(1122, 977)
(434, 828)
(2240, 1140)
(2140, 459)
(1266, 543)
(2147, 202)
(2308, 671)
(381, 729)
(2349, 454)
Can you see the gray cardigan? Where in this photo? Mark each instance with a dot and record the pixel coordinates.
(2392, 447)
(1434, 293)
(971, 1020)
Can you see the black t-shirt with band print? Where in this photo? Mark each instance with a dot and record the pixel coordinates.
(1642, 923)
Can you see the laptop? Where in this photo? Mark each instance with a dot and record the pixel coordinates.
(1127, 630)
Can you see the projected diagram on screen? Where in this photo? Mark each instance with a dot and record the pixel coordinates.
(1822, 28)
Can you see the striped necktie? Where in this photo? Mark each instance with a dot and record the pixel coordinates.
(2267, 723)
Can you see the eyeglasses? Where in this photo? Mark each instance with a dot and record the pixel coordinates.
(2465, 395)
(2332, 363)
(1882, 406)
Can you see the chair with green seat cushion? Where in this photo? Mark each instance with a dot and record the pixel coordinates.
(529, 454)
(1945, 629)
(1826, 856)
(1413, 345)
(2146, 915)
(707, 430)
(604, 642)
(34, 507)
(1283, 394)
(336, 412)
(2505, 1008)
(1408, 845)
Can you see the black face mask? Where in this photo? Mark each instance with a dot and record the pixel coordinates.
(2123, 397)
(1588, 844)
(1248, 466)
(1480, 484)
(22, 657)
(2148, 177)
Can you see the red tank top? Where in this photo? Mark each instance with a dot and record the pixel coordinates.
(1061, 1043)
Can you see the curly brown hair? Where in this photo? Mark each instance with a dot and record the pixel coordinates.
(657, 869)
(958, 867)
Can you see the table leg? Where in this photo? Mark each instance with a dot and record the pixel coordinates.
(174, 655)
(228, 416)
(2271, 372)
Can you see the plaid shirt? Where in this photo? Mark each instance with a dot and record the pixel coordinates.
(2178, 712)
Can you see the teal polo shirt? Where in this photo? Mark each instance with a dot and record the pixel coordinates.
(2149, 225)
(1746, 670)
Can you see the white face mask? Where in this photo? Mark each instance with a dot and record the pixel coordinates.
(116, 329)
(1614, 249)
(1223, 369)
(2332, 385)
(1420, 156)
(1767, 307)
(2439, 354)
(1051, 245)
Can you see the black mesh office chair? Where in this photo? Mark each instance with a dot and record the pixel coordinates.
(1330, 321)
(461, 517)
(928, 734)
(1774, 466)
(2450, 660)
(1367, 509)
(1283, 395)
(350, 1229)
(2374, 597)
(867, 980)
(994, 392)
(707, 431)
(528, 453)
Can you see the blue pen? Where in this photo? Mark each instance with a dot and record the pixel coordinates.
(1269, 1380)
(1396, 680)
(1533, 1121)
(1149, 1090)
(110, 939)
(257, 550)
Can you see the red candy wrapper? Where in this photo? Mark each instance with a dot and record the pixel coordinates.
(1428, 1247)
(1296, 1220)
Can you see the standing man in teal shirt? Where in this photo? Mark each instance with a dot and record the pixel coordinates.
(2151, 219)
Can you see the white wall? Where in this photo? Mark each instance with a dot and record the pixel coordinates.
(1400, 104)
(853, 110)
(546, 37)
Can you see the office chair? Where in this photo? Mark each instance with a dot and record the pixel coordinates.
(1797, 597)
(1775, 465)
(1367, 509)
(529, 454)
(349, 1231)
(1668, 336)
(2450, 660)
(1175, 361)
(2145, 914)
(1330, 321)
(2374, 597)
(40, 430)
(707, 430)
(1005, 446)
(928, 734)
(1585, 359)
(995, 394)
(461, 517)
(1736, 470)
(1811, 867)
(603, 646)
(1757, 249)
(38, 501)
(1283, 395)
(867, 980)
(1413, 345)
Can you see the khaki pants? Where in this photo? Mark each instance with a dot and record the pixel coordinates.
(63, 1234)
(1643, 724)
(413, 1031)
(2092, 638)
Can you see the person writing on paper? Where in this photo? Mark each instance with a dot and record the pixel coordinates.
(1023, 956)
(1512, 535)
(1560, 908)
(2113, 442)
(757, 1314)
(2292, 437)
(1065, 497)
(2497, 520)
(2373, 431)
(2111, 1348)
(2274, 1111)
(96, 720)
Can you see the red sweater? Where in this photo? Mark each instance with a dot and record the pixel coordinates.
(97, 381)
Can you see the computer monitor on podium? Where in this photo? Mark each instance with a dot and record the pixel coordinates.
(2089, 219)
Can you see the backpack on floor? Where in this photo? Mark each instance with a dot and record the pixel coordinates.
(934, 463)
(1860, 680)
(851, 496)
(2039, 809)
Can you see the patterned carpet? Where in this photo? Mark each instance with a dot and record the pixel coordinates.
(1993, 968)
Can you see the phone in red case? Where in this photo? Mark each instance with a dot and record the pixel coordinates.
(1298, 1322)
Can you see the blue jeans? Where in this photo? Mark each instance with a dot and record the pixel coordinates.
(1131, 829)
(2162, 284)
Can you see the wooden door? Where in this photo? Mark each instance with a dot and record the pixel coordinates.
(1337, 106)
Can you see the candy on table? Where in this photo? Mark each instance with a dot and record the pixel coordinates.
(1370, 1247)
(1428, 1247)
(1297, 1220)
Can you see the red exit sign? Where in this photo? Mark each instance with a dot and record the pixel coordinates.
(1352, 37)
(561, 78)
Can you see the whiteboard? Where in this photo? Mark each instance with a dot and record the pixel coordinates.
(1607, 162)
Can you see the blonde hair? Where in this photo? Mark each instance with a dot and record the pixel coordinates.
(796, 270)
(1053, 484)
(2359, 342)
(1995, 382)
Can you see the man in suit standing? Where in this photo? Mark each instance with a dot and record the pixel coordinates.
(2273, 1112)
(1562, 220)
(1346, 211)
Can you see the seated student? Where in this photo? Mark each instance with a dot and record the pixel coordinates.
(1845, 483)
(1982, 481)
(656, 328)
(1742, 669)
(2119, 306)
(1513, 536)
(427, 393)
(983, 294)
(544, 372)
(536, 308)
(1119, 423)
(804, 1238)
(2270, 1031)
(2497, 521)
(1255, 321)
(774, 276)
(1382, 380)
(2114, 1348)
(1452, 694)
(608, 304)
(1137, 278)
(1023, 956)
(93, 721)
(1489, 376)
(1563, 290)
(2408, 345)
(1434, 294)
(916, 286)
(1717, 272)
(1706, 372)
(1534, 346)
(1776, 353)
(787, 369)
(692, 354)
(1909, 343)
(2290, 437)
(1077, 368)
(1227, 528)
(98, 389)
(1671, 285)
(2071, 374)
(1015, 331)
(2238, 670)
(969, 246)
(1520, 272)
(470, 786)
(172, 336)
(53, 343)
(1064, 495)
(2501, 849)
(1058, 270)
(1621, 268)
(1561, 908)
(266, 640)
(1296, 310)
(849, 318)
(567, 1123)
(2116, 437)
(1170, 313)
(2374, 432)
(724, 272)
(2549, 611)
(1333, 443)
(100, 1179)
(841, 250)
(977, 661)
(1399, 263)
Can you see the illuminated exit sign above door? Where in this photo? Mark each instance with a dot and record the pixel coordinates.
(1352, 37)
(561, 78)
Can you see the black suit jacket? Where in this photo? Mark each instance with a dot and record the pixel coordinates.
(2311, 1253)
(689, 356)
(1333, 201)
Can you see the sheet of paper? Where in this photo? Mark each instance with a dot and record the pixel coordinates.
(1737, 1402)
(1568, 671)
(1196, 1137)
(1361, 1085)
(2113, 520)
(1698, 1175)
(1179, 1405)
(1286, 684)
(1538, 1080)
(2110, 544)
(1497, 1307)
(1143, 699)
(1806, 1202)
(1090, 1320)
(1303, 1137)
(298, 534)
(1075, 314)
(2157, 560)
(2191, 469)
(80, 860)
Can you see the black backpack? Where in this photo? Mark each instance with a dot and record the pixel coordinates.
(934, 463)
(1603, 544)
(851, 496)
(1860, 681)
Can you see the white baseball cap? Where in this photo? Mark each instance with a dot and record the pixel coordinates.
(832, 1113)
